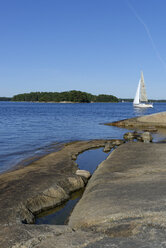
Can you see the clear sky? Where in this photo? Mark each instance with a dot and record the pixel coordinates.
(97, 46)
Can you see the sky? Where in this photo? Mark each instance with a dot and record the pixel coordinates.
(96, 46)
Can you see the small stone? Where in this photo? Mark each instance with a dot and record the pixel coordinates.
(146, 137)
(129, 136)
(108, 147)
(83, 173)
(75, 183)
(117, 142)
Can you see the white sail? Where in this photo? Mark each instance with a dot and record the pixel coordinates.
(136, 99)
(143, 96)
(140, 100)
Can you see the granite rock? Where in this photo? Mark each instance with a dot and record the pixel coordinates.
(146, 137)
(83, 173)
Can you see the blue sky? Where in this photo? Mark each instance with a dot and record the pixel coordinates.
(97, 46)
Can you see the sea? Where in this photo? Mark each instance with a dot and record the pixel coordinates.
(30, 130)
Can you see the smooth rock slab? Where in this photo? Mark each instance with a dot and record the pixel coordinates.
(152, 121)
(123, 243)
(127, 190)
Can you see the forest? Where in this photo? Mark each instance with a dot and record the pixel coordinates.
(5, 98)
(66, 96)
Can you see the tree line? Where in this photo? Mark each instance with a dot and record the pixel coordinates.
(67, 96)
(5, 98)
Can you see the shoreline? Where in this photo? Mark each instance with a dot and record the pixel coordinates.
(50, 180)
(63, 102)
(153, 121)
(67, 153)
(32, 158)
(44, 184)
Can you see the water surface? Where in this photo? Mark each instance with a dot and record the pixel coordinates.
(31, 129)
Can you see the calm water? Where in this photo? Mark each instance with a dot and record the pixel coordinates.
(89, 160)
(30, 129)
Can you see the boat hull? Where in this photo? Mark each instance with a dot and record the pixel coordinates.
(143, 105)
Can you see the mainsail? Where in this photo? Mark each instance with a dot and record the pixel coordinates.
(143, 96)
(140, 100)
(137, 95)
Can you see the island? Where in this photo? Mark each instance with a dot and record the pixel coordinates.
(72, 96)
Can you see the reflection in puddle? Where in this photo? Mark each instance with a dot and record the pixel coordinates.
(88, 160)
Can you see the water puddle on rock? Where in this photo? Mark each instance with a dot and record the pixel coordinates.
(60, 214)
(88, 160)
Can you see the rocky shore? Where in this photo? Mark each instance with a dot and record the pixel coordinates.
(149, 122)
(44, 184)
(124, 203)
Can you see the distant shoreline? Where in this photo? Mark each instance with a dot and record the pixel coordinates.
(63, 102)
(8, 99)
(63, 97)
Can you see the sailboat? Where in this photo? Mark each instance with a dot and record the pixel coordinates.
(141, 100)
